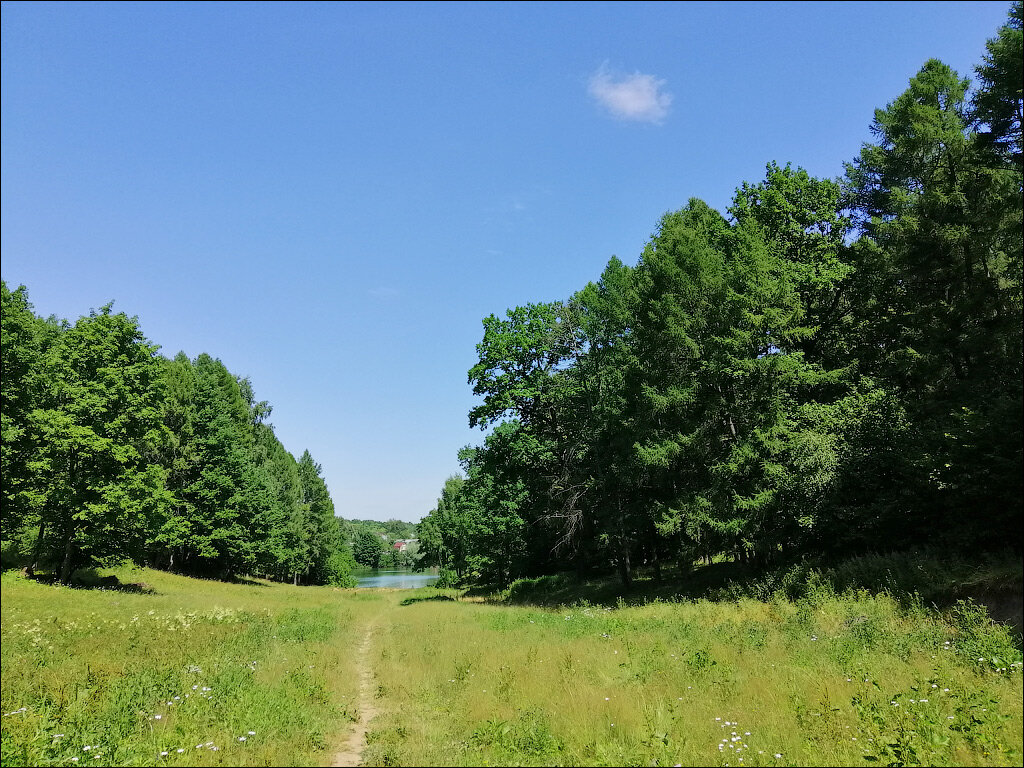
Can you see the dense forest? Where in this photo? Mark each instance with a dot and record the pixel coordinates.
(112, 452)
(830, 366)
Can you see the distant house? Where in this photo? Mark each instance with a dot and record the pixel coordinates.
(400, 546)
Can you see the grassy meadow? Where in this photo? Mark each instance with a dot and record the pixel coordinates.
(181, 671)
(188, 672)
(836, 680)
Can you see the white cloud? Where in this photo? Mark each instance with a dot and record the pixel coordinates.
(631, 97)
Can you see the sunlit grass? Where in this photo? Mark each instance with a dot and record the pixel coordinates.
(205, 673)
(196, 673)
(838, 681)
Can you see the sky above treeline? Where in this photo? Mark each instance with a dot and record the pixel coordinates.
(330, 197)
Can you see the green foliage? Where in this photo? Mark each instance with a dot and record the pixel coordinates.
(978, 640)
(998, 103)
(95, 423)
(940, 326)
(837, 364)
(529, 734)
(517, 356)
(327, 560)
(445, 532)
(368, 549)
(339, 567)
(26, 339)
(111, 452)
(221, 491)
(446, 579)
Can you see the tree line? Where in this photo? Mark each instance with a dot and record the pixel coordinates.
(830, 366)
(112, 452)
(373, 542)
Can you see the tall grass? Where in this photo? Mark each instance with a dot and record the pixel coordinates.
(829, 679)
(189, 672)
(185, 672)
(932, 578)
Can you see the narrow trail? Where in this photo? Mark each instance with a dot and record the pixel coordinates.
(351, 753)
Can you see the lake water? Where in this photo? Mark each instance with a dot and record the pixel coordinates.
(395, 579)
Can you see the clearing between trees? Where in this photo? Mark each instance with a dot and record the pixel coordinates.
(164, 669)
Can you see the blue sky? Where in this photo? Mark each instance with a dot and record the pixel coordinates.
(330, 197)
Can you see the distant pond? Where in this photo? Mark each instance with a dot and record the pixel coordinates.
(395, 579)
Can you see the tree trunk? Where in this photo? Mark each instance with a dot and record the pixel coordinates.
(685, 565)
(69, 550)
(625, 567)
(581, 566)
(30, 569)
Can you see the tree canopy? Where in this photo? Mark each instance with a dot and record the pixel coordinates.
(830, 365)
(112, 452)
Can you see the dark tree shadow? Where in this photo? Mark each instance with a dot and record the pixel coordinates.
(442, 598)
(246, 582)
(566, 589)
(912, 579)
(88, 578)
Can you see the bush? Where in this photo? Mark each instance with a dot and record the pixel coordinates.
(981, 640)
(447, 579)
(339, 570)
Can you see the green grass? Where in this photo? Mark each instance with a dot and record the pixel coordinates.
(816, 672)
(931, 578)
(831, 680)
(191, 665)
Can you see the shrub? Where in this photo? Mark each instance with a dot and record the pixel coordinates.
(447, 579)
